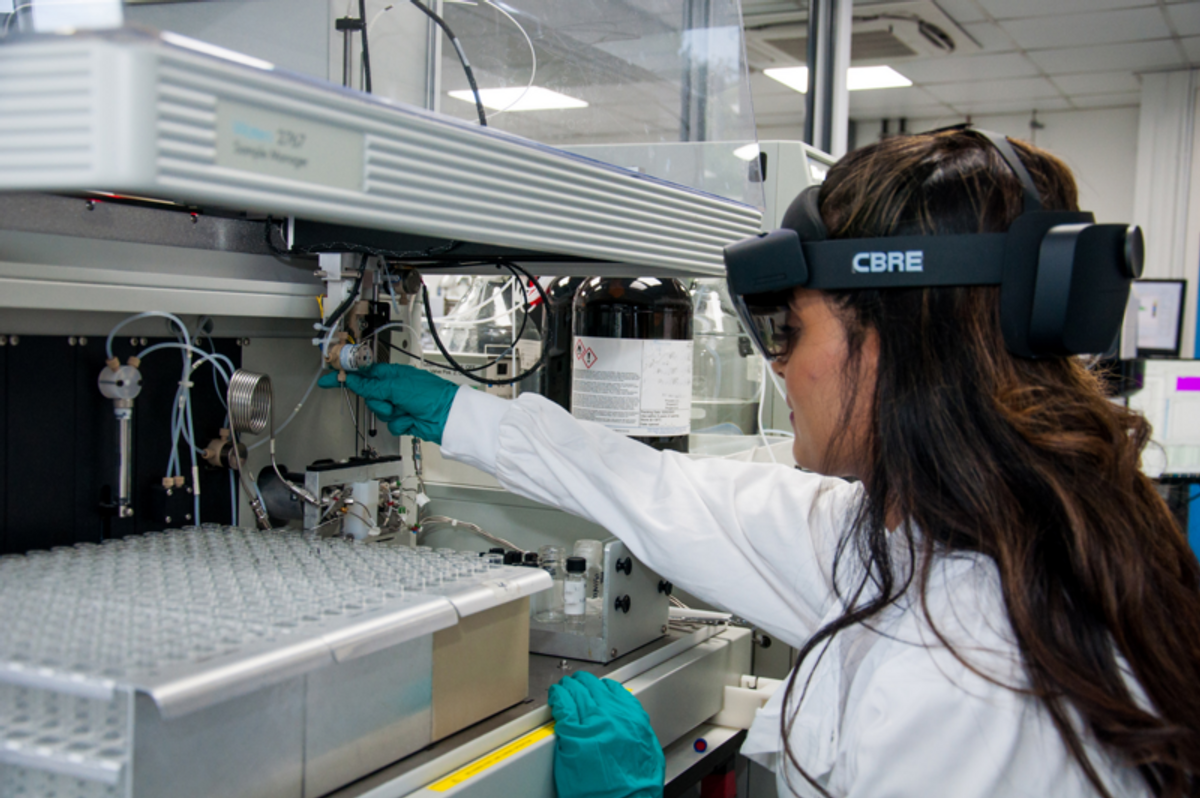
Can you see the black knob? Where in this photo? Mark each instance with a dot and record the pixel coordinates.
(625, 565)
(623, 603)
(665, 587)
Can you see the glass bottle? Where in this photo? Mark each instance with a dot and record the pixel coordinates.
(641, 382)
(548, 604)
(575, 594)
(556, 373)
(726, 371)
(593, 552)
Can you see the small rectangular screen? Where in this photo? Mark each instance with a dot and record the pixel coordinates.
(1160, 316)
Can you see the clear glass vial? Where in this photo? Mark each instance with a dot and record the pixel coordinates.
(575, 594)
(548, 605)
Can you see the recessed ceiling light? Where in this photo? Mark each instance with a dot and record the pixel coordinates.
(858, 79)
(536, 99)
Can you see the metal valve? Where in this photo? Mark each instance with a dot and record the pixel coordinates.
(220, 452)
(122, 384)
(345, 356)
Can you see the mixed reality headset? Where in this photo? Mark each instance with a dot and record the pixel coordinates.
(1064, 280)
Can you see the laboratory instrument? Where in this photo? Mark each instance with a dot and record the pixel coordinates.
(209, 127)
(634, 608)
(242, 252)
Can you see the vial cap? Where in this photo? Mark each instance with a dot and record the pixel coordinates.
(576, 565)
(531, 558)
(512, 558)
(496, 550)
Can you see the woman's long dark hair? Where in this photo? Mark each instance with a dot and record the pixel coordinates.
(1024, 461)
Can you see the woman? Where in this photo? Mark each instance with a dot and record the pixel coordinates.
(998, 603)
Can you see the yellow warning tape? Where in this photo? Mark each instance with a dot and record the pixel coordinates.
(494, 758)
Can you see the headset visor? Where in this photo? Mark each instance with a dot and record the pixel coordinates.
(765, 318)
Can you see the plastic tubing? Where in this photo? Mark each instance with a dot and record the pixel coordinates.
(215, 358)
(390, 326)
(532, 56)
(233, 497)
(187, 337)
(184, 423)
(472, 308)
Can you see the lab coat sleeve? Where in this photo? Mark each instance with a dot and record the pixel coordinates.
(756, 539)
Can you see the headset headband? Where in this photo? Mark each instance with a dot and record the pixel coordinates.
(1064, 279)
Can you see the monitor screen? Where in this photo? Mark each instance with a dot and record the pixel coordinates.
(1160, 316)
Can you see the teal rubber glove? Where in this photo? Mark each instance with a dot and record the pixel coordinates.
(409, 400)
(605, 747)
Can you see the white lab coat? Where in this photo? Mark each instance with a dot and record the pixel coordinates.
(889, 712)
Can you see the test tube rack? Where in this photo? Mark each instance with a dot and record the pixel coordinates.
(134, 667)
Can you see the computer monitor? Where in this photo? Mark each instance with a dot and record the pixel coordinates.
(1160, 316)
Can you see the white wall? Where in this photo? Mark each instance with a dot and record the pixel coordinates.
(1192, 255)
(1099, 145)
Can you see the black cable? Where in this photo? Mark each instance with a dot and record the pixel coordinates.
(336, 316)
(455, 365)
(499, 357)
(405, 352)
(366, 51)
(462, 57)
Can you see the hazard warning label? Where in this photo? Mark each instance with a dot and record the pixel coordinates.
(634, 387)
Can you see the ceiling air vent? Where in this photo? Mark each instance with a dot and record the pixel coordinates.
(873, 45)
(883, 33)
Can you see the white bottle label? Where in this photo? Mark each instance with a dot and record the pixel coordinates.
(574, 593)
(634, 387)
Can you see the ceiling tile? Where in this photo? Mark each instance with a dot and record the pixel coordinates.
(991, 37)
(977, 107)
(1122, 100)
(945, 69)
(1132, 56)
(1185, 18)
(962, 11)
(1094, 27)
(1192, 46)
(1098, 83)
(891, 100)
(1024, 89)
(1017, 9)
